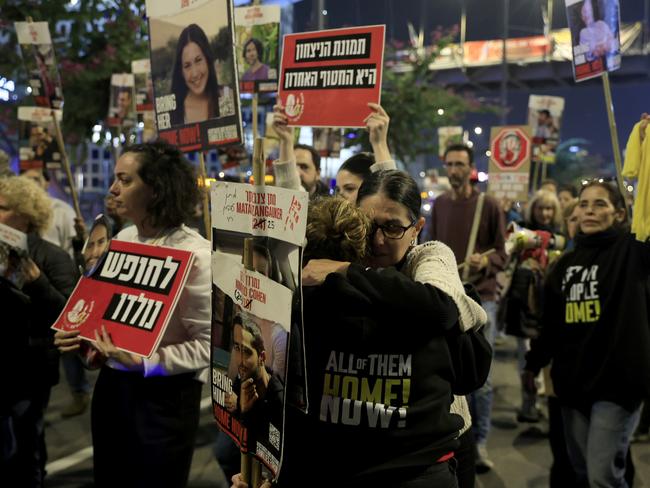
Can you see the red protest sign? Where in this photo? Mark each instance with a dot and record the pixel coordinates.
(510, 148)
(132, 293)
(329, 77)
(509, 165)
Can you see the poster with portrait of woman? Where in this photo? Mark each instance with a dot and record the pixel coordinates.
(194, 73)
(257, 33)
(595, 36)
(40, 62)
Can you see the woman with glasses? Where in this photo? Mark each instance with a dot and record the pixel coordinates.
(380, 383)
(392, 201)
(596, 334)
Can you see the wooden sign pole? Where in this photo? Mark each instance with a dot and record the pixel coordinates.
(251, 469)
(205, 197)
(614, 135)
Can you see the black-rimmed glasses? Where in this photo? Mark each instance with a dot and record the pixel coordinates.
(391, 231)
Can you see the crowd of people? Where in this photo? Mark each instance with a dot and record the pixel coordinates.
(566, 278)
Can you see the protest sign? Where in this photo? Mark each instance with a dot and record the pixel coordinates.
(252, 312)
(13, 249)
(544, 120)
(141, 69)
(193, 68)
(121, 107)
(327, 142)
(509, 167)
(595, 36)
(329, 77)
(447, 136)
(257, 34)
(40, 62)
(265, 211)
(132, 291)
(38, 147)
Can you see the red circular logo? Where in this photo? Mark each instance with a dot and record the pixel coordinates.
(510, 148)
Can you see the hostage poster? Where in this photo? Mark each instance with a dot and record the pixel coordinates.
(121, 107)
(40, 62)
(544, 120)
(509, 166)
(257, 33)
(132, 290)
(141, 69)
(38, 146)
(194, 73)
(329, 77)
(447, 136)
(595, 36)
(257, 234)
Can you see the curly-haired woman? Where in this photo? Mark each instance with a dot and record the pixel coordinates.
(29, 361)
(145, 412)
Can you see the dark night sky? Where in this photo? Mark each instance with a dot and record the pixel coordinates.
(484, 17)
(585, 114)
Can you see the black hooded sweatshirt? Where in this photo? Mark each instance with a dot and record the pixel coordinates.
(595, 322)
(380, 381)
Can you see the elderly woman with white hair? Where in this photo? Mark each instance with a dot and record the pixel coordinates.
(29, 360)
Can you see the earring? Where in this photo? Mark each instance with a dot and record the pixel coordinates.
(412, 242)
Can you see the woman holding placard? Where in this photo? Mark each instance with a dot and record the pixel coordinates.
(145, 411)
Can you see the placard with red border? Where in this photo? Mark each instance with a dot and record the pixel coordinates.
(328, 77)
(132, 293)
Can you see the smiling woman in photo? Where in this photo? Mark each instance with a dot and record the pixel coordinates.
(194, 78)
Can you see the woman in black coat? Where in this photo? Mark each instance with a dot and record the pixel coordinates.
(36, 289)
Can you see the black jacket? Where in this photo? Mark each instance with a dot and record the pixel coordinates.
(595, 323)
(47, 296)
(380, 381)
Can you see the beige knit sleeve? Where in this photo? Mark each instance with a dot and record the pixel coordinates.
(434, 263)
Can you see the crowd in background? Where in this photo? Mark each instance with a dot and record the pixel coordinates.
(561, 273)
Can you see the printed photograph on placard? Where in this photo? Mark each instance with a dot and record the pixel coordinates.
(193, 68)
(327, 141)
(40, 63)
(121, 108)
(257, 34)
(38, 147)
(448, 136)
(545, 119)
(595, 36)
(141, 69)
(96, 246)
(256, 272)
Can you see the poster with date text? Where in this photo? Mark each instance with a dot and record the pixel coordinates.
(254, 318)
